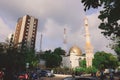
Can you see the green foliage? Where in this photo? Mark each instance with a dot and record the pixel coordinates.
(59, 51)
(91, 70)
(1, 48)
(64, 70)
(104, 60)
(117, 50)
(101, 60)
(83, 63)
(90, 3)
(30, 57)
(53, 59)
(16, 60)
(86, 70)
(80, 69)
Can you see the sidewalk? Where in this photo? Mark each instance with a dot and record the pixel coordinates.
(117, 78)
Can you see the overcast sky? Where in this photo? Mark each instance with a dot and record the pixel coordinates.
(54, 16)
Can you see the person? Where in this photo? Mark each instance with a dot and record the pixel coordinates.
(102, 76)
(98, 74)
(111, 76)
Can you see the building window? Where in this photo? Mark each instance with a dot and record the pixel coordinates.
(26, 29)
(34, 22)
(34, 26)
(26, 37)
(28, 19)
(26, 33)
(25, 40)
(28, 23)
(32, 43)
(33, 36)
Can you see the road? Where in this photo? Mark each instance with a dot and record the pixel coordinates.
(60, 77)
(57, 77)
(51, 78)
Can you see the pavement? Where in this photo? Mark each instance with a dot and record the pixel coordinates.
(57, 77)
(61, 76)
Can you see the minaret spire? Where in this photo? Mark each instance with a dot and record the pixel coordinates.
(88, 46)
(65, 41)
(87, 32)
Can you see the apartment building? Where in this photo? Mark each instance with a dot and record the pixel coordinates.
(25, 34)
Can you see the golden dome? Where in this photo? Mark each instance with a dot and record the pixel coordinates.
(75, 49)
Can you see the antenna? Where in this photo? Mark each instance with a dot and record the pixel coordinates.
(41, 42)
(65, 41)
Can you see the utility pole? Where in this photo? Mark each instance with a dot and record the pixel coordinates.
(41, 43)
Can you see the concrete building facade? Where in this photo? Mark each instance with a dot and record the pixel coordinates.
(25, 34)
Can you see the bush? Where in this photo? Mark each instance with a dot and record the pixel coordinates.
(80, 69)
(91, 70)
(64, 70)
(86, 70)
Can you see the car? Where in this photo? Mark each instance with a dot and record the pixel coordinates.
(1, 75)
(46, 73)
(23, 76)
(80, 78)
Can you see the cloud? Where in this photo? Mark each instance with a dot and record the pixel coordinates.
(62, 11)
(4, 30)
(54, 16)
(98, 40)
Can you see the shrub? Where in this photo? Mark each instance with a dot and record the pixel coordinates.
(86, 70)
(91, 70)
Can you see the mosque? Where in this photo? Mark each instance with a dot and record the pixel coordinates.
(73, 57)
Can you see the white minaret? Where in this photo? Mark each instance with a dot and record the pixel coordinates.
(88, 46)
(65, 41)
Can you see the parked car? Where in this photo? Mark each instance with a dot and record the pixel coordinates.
(23, 76)
(80, 78)
(1, 75)
(46, 73)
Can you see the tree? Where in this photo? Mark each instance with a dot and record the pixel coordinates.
(104, 60)
(30, 57)
(82, 63)
(117, 50)
(110, 16)
(14, 60)
(59, 51)
(53, 59)
(1, 48)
